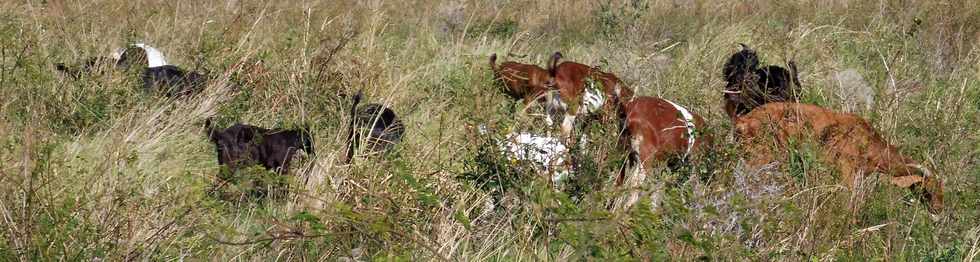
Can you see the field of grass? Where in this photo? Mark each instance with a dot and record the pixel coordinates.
(98, 168)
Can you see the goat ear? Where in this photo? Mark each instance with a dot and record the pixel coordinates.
(906, 181)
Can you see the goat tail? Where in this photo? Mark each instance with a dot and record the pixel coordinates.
(351, 140)
(494, 68)
(493, 62)
(553, 64)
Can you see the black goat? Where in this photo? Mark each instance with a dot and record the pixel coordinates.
(173, 81)
(750, 86)
(385, 128)
(244, 145)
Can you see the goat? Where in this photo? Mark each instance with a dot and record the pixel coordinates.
(749, 86)
(386, 128)
(576, 84)
(527, 83)
(157, 75)
(845, 140)
(91, 65)
(520, 81)
(657, 130)
(244, 145)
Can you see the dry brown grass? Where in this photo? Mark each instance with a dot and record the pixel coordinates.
(98, 169)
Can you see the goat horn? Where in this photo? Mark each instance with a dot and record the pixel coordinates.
(744, 47)
(731, 92)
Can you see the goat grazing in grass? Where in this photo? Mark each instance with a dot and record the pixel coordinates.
(243, 145)
(845, 141)
(527, 83)
(577, 86)
(653, 129)
(157, 75)
(656, 130)
(386, 129)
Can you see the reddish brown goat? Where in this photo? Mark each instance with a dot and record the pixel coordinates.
(846, 141)
(655, 131)
(520, 81)
(571, 80)
(658, 129)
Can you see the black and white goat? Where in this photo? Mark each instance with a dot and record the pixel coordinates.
(157, 75)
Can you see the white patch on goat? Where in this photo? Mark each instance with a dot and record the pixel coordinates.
(552, 104)
(688, 123)
(635, 177)
(593, 98)
(546, 151)
(154, 57)
(568, 123)
(636, 142)
(549, 152)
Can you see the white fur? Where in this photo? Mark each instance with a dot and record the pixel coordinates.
(546, 151)
(593, 99)
(153, 56)
(688, 123)
(568, 123)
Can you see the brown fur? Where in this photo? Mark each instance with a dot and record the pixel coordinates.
(658, 130)
(570, 79)
(846, 141)
(520, 81)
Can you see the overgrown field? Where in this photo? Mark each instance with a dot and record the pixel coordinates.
(98, 168)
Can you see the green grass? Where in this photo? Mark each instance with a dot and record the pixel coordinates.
(98, 168)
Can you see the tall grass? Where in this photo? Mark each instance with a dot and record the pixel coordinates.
(98, 168)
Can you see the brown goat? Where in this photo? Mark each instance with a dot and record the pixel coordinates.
(654, 131)
(520, 81)
(658, 129)
(846, 141)
(572, 79)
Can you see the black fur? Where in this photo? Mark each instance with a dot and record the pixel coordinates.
(172, 81)
(243, 145)
(92, 65)
(750, 86)
(386, 129)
